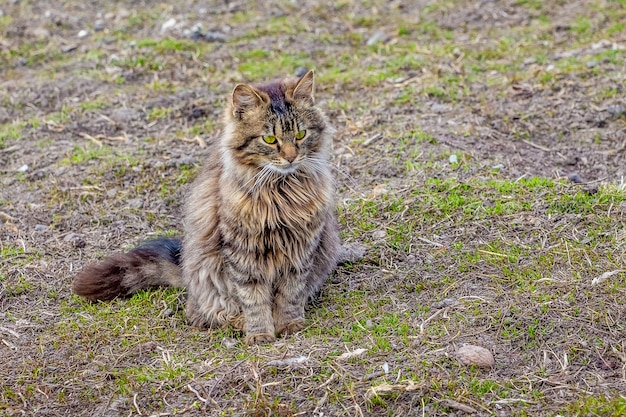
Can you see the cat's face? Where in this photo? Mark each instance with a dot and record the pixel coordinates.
(275, 127)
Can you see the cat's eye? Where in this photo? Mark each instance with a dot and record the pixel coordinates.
(269, 139)
(301, 134)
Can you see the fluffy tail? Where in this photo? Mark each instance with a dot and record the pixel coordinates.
(155, 263)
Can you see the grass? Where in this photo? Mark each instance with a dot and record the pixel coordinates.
(461, 249)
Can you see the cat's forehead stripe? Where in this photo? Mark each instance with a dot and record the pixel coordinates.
(277, 97)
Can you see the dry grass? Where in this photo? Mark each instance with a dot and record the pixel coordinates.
(458, 125)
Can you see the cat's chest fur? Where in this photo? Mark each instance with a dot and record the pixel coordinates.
(280, 225)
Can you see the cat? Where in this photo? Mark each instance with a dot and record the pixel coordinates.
(260, 229)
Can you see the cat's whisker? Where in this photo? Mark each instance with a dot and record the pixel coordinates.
(335, 168)
(253, 178)
(262, 181)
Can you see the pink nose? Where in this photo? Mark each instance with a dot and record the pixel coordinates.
(290, 157)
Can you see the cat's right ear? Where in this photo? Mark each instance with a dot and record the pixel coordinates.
(245, 98)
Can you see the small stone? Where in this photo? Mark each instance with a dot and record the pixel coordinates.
(197, 28)
(183, 160)
(446, 302)
(592, 64)
(41, 228)
(83, 34)
(135, 203)
(229, 342)
(379, 235)
(301, 71)
(575, 178)
(68, 48)
(616, 110)
(215, 37)
(377, 37)
(168, 24)
(70, 236)
(98, 26)
(475, 355)
(453, 159)
(377, 191)
(39, 33)
(439, 108)
(123, 13)
(124, 115)
(590, 189)
(23, 168)
(197, 112)
(76, 240)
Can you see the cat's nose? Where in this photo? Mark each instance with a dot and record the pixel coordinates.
(289, 152)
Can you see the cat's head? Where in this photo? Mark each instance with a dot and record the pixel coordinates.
(276, 126)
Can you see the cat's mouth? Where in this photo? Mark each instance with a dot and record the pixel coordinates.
(285, 168)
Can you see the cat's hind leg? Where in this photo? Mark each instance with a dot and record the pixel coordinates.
(211, 301)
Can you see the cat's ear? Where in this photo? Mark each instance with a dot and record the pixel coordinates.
(304, 88)
(245, 98)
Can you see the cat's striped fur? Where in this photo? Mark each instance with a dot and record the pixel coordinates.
(260, 232)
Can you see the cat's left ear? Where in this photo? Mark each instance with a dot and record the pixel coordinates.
(245, 97)
(304, 88)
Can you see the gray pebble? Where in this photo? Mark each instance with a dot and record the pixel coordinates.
(446, 302)
(616, 110)
(69, 48)
(135, 203)
(183, 160)
(98, 26)
(40, 33)
(439, 108)
(124, 115)
(575, 178)
(70, 236)
(215, 37)
(592, 64)
(229, 342)
(300, 71)
(41, 228)
(377, 37)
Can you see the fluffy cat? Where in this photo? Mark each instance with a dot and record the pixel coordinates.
(260, 233)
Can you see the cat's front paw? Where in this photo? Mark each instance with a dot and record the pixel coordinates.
(290, 328)
(259, 338)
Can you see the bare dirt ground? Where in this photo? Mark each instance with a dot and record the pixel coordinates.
(480, 158)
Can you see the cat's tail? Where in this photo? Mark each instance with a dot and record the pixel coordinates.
(155, 263)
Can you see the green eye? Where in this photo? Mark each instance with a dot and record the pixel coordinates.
(300, 134)
(269, 139)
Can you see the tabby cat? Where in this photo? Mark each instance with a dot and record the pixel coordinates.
(260, 233)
